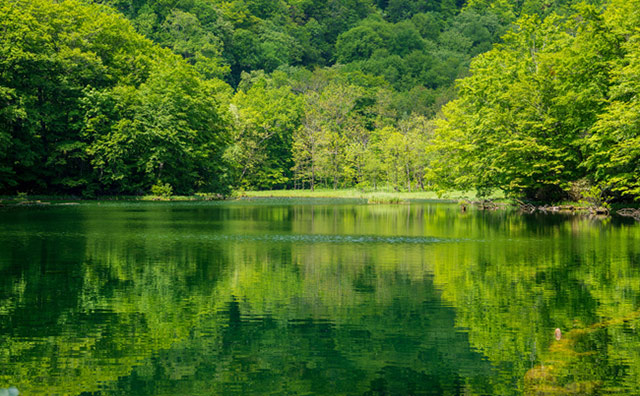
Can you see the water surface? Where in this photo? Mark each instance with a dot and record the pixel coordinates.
(315, 297)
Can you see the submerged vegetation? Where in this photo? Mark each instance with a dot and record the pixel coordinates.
(110, 97)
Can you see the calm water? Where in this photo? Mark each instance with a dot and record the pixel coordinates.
(285, 297)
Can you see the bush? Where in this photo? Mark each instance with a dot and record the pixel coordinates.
(162, 190)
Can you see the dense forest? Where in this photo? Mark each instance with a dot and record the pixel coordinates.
(536, 98)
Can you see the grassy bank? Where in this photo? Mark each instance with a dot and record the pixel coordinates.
(370, 196)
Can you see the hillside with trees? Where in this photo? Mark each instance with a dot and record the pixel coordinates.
(213, 95)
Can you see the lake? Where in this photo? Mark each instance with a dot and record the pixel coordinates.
(316, 297)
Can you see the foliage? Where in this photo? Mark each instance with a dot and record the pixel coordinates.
(549, 107)
(162, 190)
(614, 139)
(338, 93)
(266, 112)
(92, 107)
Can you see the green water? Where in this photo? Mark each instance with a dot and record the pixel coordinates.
(312, 297)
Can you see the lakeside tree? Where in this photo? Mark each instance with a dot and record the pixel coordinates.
(90, 106)
(548, 109)
(266, 113)
(164, 131)
(613, 144)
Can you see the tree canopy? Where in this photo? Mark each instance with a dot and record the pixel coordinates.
(91, 106)
(539, 97)
(552, 106)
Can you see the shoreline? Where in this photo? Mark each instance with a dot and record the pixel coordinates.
(465, 200)
(382, 196)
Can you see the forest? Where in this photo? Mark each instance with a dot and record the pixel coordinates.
(534, 98)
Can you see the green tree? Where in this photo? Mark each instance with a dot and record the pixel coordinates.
(614, 140)
(307, 143)
(92, 106)
(266, 115)
(335, 133)
(520, 118)
(168, 129)
(185, 36)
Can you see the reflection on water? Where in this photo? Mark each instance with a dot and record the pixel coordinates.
(315, 297)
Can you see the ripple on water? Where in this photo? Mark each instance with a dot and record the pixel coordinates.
(320, 238)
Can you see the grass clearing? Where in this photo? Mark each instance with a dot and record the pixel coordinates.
(380, 196)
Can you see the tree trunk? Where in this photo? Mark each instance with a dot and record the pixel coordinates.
(313, 175)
